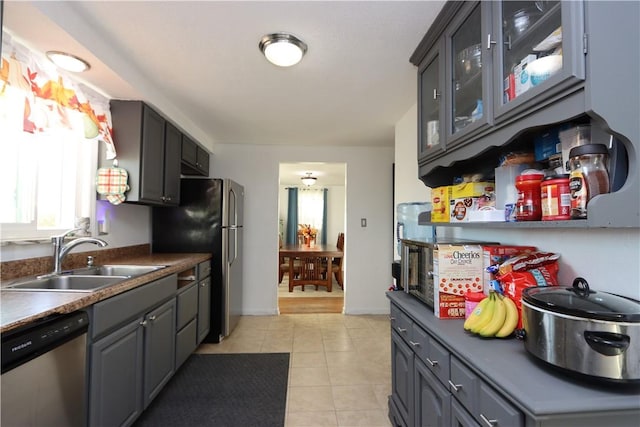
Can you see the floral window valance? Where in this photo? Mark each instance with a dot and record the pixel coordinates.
(49, 99)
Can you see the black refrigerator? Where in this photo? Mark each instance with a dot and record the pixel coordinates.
(209, 220)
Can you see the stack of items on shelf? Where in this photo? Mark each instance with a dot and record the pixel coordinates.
(569, 165)
(466, 274)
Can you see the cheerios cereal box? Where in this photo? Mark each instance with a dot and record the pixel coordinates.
(456, 269)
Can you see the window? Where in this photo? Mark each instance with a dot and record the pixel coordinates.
(46, 177)
(50, 130)
(311, 207)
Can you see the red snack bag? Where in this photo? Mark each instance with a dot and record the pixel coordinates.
(515, 281)
(527, 261)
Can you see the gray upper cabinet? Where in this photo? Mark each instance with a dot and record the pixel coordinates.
(538, 49)
(494, 75)
(430, 141)
(172, 147)
(195, 159)
(467, 73)
(148, 150)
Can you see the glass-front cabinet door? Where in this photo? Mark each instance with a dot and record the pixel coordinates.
(538, 45)
(430, 112)
(469, 71)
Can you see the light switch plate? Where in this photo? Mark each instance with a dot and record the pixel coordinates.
(363, 222)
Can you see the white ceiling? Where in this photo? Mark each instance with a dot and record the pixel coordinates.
(199, 63)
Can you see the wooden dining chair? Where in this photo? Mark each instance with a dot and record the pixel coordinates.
(336, 264)
(283, 262)
(311, 271)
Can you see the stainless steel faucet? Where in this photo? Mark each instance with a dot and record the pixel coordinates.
(60, 250)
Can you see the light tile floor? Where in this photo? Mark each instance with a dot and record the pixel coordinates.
(340, 365)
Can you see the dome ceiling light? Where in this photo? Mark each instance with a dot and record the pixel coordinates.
(282, 49)
(68, 62)
(308, 180)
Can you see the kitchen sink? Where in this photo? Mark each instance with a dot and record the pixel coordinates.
(115, 270)
(66, 283)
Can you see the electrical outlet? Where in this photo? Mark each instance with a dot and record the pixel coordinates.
(363, 222)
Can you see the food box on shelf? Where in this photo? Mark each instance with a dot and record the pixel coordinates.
(461, 208)
(472, 189)
(521, 75)
(546, 144)
(497, 254)
(440, 198)
(456, 270)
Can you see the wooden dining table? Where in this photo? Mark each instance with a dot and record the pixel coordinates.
(293, 251)
(320, 250)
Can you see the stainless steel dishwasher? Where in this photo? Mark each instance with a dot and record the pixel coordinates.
(43, 373)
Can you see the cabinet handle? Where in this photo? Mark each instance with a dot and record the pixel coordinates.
(164, 199)
(392, 318)
(436, 94)
(432, 362)
(487, 421)
(143, 323)
(152, 318)
(490, 42)
(401, 330)
(507, 43)
(415, 344)
(203, 284)
(455, 387)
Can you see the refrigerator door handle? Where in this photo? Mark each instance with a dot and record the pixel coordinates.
(232, 254)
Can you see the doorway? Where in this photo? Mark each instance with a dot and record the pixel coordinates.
(330, 183)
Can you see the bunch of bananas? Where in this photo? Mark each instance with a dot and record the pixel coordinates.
(494, 316)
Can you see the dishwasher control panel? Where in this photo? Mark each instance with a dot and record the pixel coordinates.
(28, 342)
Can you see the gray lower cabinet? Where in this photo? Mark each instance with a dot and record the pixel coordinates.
(443, 376)
(159, 358)
(460, 417)
(401, 380)
(131, 351)
(427, 379)
(116, 377)
(420, 372)
(432, 401)
(186, 322)
(204, 308)
(204, 299)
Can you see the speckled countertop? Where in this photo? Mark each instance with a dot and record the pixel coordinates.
(18, 308)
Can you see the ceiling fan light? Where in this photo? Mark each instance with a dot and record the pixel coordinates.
(68, 62)
(308, 180)
(282, 49)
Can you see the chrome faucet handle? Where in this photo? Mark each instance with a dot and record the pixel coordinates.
(89, 261)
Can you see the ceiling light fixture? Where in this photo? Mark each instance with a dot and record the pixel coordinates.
(68, 62)
(308, 180)
(282, 49)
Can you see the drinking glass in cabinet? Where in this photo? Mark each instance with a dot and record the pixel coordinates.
(467, 71)
(532, 48)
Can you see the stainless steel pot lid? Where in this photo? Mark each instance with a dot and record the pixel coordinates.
(580, 301)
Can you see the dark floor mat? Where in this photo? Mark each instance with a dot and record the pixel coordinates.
(223, 390)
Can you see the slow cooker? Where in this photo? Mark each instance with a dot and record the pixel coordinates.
(584, 331)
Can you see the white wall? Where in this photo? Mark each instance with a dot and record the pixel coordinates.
(128, 225)
(407, 186)
(607, 258)
(368, 195)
